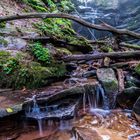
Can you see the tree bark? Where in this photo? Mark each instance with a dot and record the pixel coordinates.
(101, 27)
(125, 64)
(114, 55)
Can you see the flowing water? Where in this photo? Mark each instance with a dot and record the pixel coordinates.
(85, 115)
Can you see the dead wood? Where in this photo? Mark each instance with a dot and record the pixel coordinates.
(102, 27)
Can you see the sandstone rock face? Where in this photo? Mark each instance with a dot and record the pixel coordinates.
(109, 81)
(87, 134)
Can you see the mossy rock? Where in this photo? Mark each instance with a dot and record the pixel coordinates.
(108, 79)
(18, 72)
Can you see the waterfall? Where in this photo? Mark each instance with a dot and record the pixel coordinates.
(85, 1)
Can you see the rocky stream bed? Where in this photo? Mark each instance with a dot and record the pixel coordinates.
(55, 84)
(78, 108)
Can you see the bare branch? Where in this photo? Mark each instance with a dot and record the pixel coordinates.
(102, 27)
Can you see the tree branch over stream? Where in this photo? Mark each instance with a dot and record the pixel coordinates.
(102, 27)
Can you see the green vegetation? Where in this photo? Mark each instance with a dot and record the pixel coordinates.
(107, 48)
(17, 72)
(36, 67)
(58, 28)
(137, 69)
(42, 54)
(2, 24)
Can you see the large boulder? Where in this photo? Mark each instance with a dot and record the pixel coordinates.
(87, 134)
(136, 109)
(109, 81)
(128, 97)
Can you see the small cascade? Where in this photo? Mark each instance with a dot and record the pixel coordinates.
(95, 98)
(84, 101)
(40, 127)
(58, 113)
(100, 91)
(35, 112)
(65, 124)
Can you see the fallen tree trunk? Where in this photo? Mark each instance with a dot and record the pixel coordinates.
(115, 55)
(103, 26)
(131, 46)
(62, 43)
(124, 64)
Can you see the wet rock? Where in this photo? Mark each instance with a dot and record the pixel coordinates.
(128, 97)
(61, 110)
(74, 90)
(89, 73)
(11, 110)
(110, 83)
(62, 135)
(136, 109)
(86, 134)
(13, 102)
(108, 79)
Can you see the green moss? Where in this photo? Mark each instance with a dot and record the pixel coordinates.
(137, 69)
(106, 48)
(111, 85)
(56, 27)
(17, 72)
(2, 24)
(64, 51)
(3, 42)
(34, 75)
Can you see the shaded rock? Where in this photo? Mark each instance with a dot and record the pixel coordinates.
(136, 109)
(71, 66)
(128, 97)
(86, 134)
(110, 83)
(89, 73)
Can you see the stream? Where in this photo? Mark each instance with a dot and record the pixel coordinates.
(79, 107)
(78, 114)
